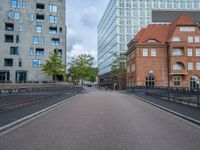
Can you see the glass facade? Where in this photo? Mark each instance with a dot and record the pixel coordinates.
(122, 20)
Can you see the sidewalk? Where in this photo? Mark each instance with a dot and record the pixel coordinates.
(187, 112)
(18, 113)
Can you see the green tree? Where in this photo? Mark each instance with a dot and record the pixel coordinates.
(81, 69)
(118, 71)
(54, 66)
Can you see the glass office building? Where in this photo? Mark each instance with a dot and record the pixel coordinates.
(122, 19)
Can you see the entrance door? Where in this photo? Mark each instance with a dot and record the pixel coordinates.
(21, 76)
(4, 76)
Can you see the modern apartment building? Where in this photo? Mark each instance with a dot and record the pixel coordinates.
(122, 19)
(30, 30)
(165, 55)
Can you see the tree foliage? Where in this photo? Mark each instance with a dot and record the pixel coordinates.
(54, 66)
(118, 70)
(81, 69)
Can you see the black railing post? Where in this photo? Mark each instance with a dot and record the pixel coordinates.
(198, 98)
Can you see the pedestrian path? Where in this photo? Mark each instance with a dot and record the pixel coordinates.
(187, 112)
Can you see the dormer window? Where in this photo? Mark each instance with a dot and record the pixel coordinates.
(152, 41)
(176, 39)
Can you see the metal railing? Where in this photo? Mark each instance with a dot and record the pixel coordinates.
(181, 95)
(17, 95)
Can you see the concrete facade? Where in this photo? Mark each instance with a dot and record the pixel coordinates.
(30, 30)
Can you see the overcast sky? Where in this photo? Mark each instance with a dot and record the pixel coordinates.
(82, 19)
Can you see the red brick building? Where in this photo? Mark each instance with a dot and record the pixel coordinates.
(165, 55)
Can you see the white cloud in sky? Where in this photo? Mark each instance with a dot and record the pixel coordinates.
(90, 17)
(78, 49)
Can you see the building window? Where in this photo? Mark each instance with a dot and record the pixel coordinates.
(190, 65)
(177, 80)
(19, 62)
(150, 81)
(36, 40)
(40, 17)
(10, 15)
(36, 63)
(16, 15)
(8, 62)
(197, 39)
(9, 38)
(23, 4)
(145, 52)
(32, 17)
(178, 66)
(53, 8)
(17, 39)
(189, 52)
(40, 6)
(9, 26)
(31, 51)
(53, 19)
(42, 40)
(197, 52)
(38, 29)
(59, 52)
(15, 4)
(153, 52)
(14, 50)
(21, 27)
(194, 82)
(176, 39)
(39, 51)
(55, 41)
(198, 66)
(60, 31)
(53, 30)
(177, 52)
(190, 39)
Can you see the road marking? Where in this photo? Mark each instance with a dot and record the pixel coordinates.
(18, 123)
(171, 112)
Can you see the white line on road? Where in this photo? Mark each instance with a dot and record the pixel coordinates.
(18, 123)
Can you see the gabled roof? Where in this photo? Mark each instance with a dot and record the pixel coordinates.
(162, 33)
(182, 20)
(155, 32)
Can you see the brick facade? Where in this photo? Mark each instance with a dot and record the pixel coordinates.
(165, 55)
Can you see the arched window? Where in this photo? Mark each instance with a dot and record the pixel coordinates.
(194, 82)
(150, 81)
(178, 66)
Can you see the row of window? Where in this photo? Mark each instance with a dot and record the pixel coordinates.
(180, 52)
(38, 17)
(17, 4)
(191, 39)
(10, 38)
(153, 52)
(38, 28)
(8, 62)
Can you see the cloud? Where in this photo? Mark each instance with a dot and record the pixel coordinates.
(78, 49)
(72, 38)
(90, 17)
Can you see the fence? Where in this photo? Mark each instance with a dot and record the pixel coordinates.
(17, 95)
(176, 94)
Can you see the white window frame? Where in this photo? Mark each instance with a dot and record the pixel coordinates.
(197, 39)
(197, 51)
(190, 39)
(189, 52)
(153, 52)
(190, 65)
(197, 65)
(145, 52)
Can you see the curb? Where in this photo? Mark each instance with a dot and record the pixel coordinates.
(197, 122)
(11, 126)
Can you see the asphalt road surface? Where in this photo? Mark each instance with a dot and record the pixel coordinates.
(104, 121)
